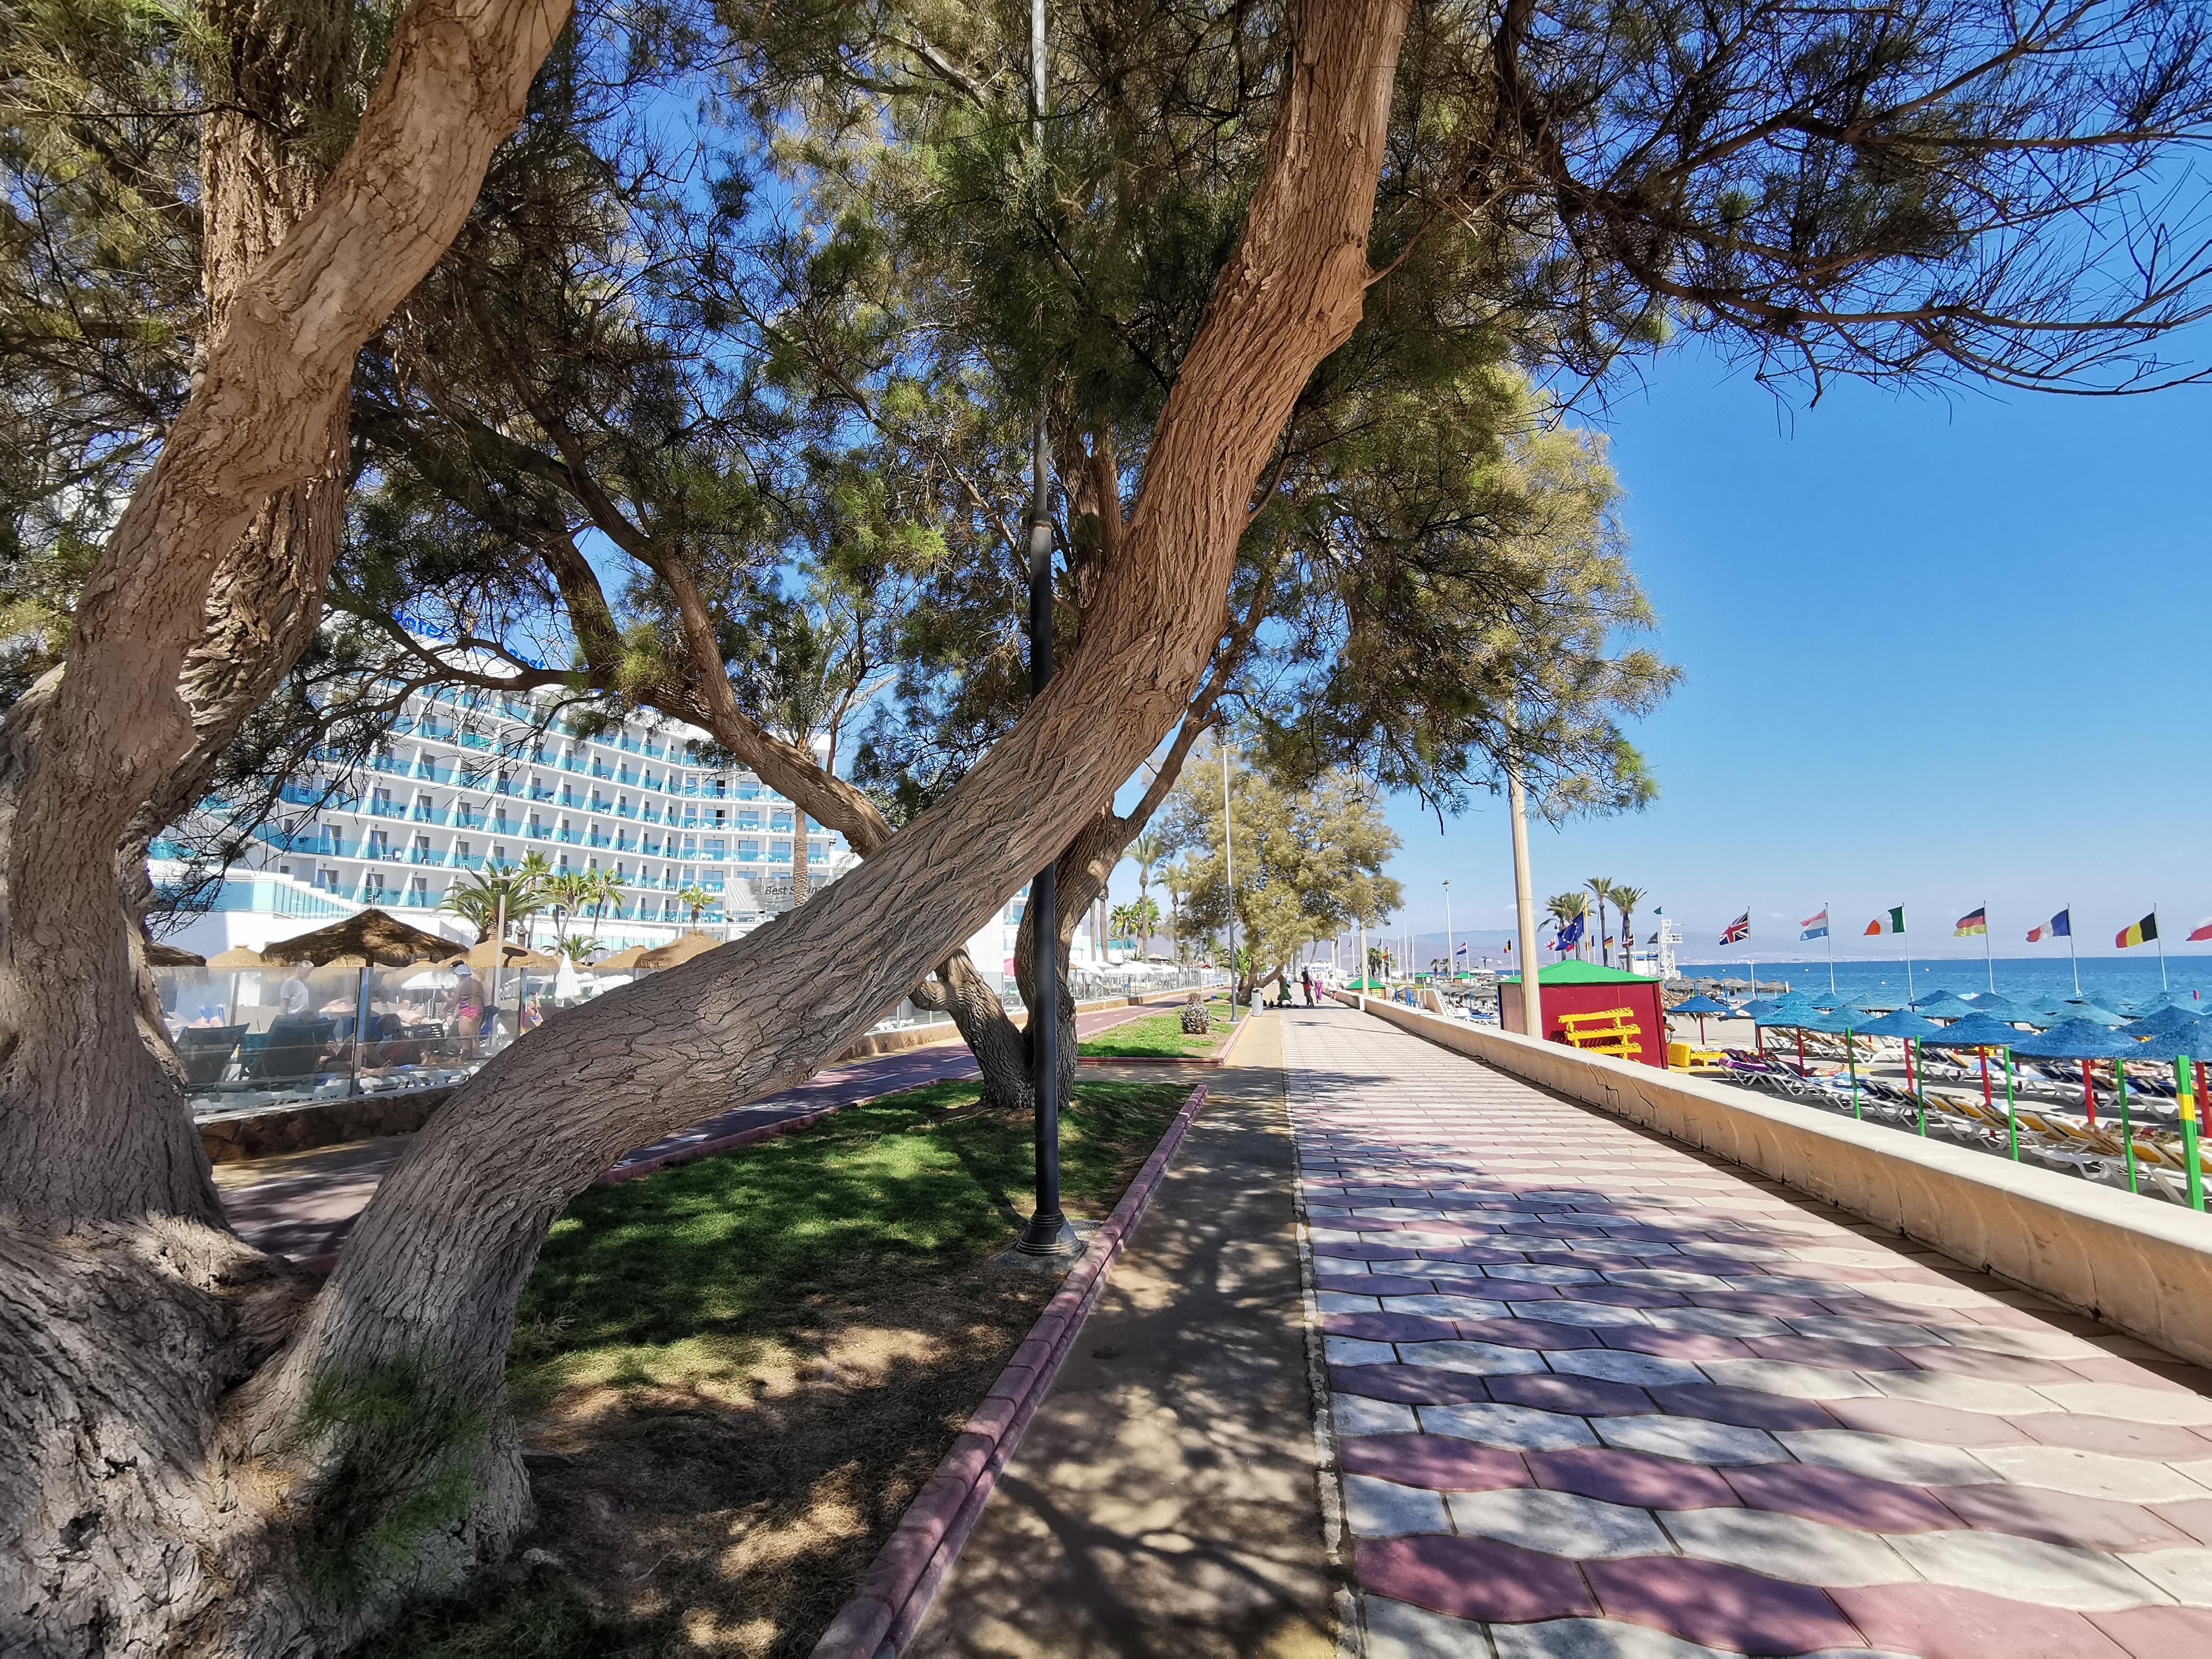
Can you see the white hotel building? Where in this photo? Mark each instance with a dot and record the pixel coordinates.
(468, 777)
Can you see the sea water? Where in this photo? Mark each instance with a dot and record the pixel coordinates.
(2131, 978)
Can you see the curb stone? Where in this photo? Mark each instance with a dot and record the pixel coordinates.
(895, 1593)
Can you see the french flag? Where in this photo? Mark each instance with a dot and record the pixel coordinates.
(2059, 927)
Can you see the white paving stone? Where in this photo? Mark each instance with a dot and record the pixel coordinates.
(1355, 1413)
(1788, 1546)
(1344, 1302)
(1483, 1358)
(1690, 1439)
(1541, 1272)
(1619, 1365)
(2091, 1474)
(1595, 1638)
(1886, 1457)
(1383, 1509)
(2028, 1570)
(1589, 1313)
(1444, 1306)
(1785, 1377)
(1717, 1322)
(2128, 1400)
(1355, 1351)
(1558, 1523)
(1399, 1629)
(2183, 1574)
(1878, 1332)
(1964, 1393)
(1520, 1427)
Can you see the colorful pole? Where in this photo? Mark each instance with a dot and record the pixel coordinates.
(1851, 1059)
(2127, 1128)
(2184, 1074)
(2088, 1093)
(2011, 1119)
(1920, 1088)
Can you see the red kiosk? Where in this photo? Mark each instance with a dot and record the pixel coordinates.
(1589, 988)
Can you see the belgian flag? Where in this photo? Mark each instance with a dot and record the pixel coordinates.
(2142, 934)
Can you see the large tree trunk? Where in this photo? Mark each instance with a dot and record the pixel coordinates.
(127, 1316)
(423, 1299)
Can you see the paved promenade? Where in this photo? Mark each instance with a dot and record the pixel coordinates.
(1596, 1395)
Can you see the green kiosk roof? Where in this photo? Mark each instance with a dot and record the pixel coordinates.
(1583, 972)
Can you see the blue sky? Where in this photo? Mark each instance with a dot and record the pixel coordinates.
(1939, 651)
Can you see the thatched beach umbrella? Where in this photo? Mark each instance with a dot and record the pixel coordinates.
(690, 946)
(159, 955)
(237, 959)
(372, 936)
(492, 954)
(625, 961)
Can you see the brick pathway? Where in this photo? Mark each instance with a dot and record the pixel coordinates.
(1599, 1395)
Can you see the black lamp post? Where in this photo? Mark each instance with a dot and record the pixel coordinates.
(1048, 1233)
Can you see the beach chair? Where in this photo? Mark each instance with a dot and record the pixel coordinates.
(294, 1050)
(1699, 1062)
(205, 1052)
(1959, 1118)
(2047, 1139)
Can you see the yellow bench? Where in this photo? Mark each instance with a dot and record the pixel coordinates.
(1619, 1039)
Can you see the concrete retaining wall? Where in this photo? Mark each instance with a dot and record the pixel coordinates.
(2140, 1265)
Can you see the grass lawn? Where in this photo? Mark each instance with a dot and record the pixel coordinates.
(1160, 1037)
(733, 1375)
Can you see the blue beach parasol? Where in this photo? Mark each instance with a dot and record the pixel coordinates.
(1700, 1006)
(2158, 1022)
(1943, 1005)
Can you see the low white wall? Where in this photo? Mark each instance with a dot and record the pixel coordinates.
(2143, 1266)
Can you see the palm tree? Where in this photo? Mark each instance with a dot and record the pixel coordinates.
(566, 892)
(1148, 850)
(606, 888)
(1564, 907)
(577, 949)
(1602, 889)
(483, 896)
(1624, 899)
(1175, 880)
(696, 900)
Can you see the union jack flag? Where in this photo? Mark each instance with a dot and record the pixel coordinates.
(1738, 931)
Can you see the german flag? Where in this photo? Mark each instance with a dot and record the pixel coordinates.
(2142, 934)
(1974, 922)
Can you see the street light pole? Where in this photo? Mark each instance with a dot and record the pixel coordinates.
(1229, 860)
(1451, 956)
(1046, 1233)
(1524, 906)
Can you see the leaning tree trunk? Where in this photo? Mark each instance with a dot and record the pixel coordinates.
(421, 1308)
(127, 1317)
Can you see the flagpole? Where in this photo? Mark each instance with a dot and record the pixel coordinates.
(2076, 955)
(1986, 956)
(1751, 959)
(1828, 926)
(1907, 937)
(2156, 929)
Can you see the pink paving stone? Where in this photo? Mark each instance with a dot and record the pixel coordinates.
(2167, 1442)
(1840, 1498)
(1671, 1345)
(1435, 1461)
(2093, 1523)
(1747, 1408)
(2145, 1374)
(1410, 1385)
(1474, 1578)
(1826, 1351)
(1637, 1479)
(1388, 1327)
(1913, 1419)
(1515, 1290)
(2159, 1632)
(1990, 1367)
(1939, 1621)
(1545, 1333)
(2190, 1515)
(1580, 1396)
(1365, 1251)
(1721, 1605)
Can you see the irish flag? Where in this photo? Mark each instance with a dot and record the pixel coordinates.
(1895, 923)
(2142, 934)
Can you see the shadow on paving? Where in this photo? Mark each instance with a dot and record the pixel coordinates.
(1164, 1498)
